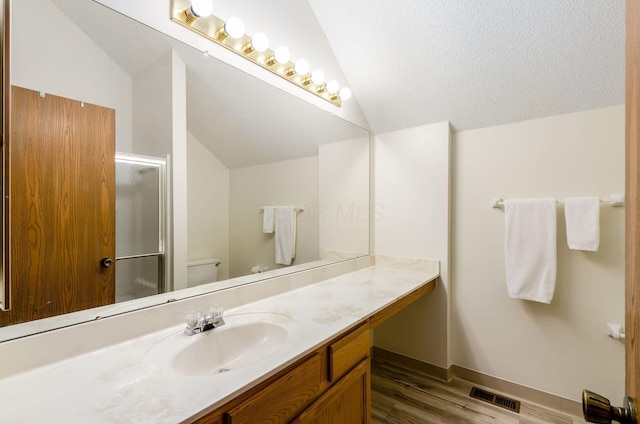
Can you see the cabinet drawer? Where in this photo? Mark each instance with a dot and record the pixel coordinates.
(348, 351)
(282, 399)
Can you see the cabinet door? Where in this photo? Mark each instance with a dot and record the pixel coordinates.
(283, 398)
(347, 402)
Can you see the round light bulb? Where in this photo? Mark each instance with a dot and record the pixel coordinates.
(234, 27)
(317, 77)
(259, 42)
(345, 93)
(202, 8)
(282, 54)
(332, 87)
(301, 67)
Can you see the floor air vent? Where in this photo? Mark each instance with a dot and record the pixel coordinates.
(494, 399)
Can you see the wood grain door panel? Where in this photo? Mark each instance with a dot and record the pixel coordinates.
(62, 206)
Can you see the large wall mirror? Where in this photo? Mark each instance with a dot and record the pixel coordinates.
(208, 163)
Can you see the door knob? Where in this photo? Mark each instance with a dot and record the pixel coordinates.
(598, 409)
(106, 262)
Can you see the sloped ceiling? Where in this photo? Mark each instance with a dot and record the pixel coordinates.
(476, 63)
(239, 118)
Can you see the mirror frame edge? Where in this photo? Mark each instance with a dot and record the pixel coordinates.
(5, 286)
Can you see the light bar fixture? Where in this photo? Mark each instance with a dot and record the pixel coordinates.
(197, 15)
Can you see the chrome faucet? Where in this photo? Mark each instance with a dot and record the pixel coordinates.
(198, 324)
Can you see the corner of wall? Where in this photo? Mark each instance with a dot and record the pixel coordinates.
(411, 218)
(179, 162)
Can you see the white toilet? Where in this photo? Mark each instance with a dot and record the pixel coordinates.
(202, 271)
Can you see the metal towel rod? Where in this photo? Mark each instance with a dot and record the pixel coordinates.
(298, 208)
(616, 200)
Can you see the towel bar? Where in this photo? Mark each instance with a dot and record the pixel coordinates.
(616, 200)
(298, 208)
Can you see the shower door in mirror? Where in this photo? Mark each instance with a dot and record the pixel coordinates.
(140, 226)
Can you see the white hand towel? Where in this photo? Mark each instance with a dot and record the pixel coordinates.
(530, 248)
(285, 238)
(583, 223)
(267, 220)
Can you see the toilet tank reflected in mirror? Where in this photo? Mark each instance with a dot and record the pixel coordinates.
(202, 271)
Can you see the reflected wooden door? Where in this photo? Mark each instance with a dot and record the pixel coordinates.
(61, 206)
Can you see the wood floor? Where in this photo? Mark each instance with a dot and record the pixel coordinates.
(404, 396)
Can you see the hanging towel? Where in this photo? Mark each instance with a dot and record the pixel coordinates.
(285, 234)
(530, 248)
(267, 219)
(583, 223)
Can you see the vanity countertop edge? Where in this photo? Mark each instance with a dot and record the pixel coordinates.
(114, 384)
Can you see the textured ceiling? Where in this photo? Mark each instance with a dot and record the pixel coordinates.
(476, 63)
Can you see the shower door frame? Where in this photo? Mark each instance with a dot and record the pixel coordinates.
(164, 261)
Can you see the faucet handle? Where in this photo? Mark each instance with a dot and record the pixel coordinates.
(216, 311)
(192, 319)
(216, 315)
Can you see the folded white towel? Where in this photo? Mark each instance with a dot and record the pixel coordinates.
(267, 220)
(285, 238)
(530, 248)
(583, 223)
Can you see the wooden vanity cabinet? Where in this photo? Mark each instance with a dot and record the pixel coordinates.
(330, 385)
(347, 402)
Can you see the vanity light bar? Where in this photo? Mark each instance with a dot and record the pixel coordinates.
(197, 17)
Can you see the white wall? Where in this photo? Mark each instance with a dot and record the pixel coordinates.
(44, 39)
(160, 112)
(559, 348)
(208, 206)
(344, 196)
(411, 218)
(291, 182)
(152, 108)
(179, 171)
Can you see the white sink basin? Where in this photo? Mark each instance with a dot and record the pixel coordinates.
(244, 340)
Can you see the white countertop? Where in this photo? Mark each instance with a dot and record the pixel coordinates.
(111, 385)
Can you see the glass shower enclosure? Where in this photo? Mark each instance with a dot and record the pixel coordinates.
(140, 226)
